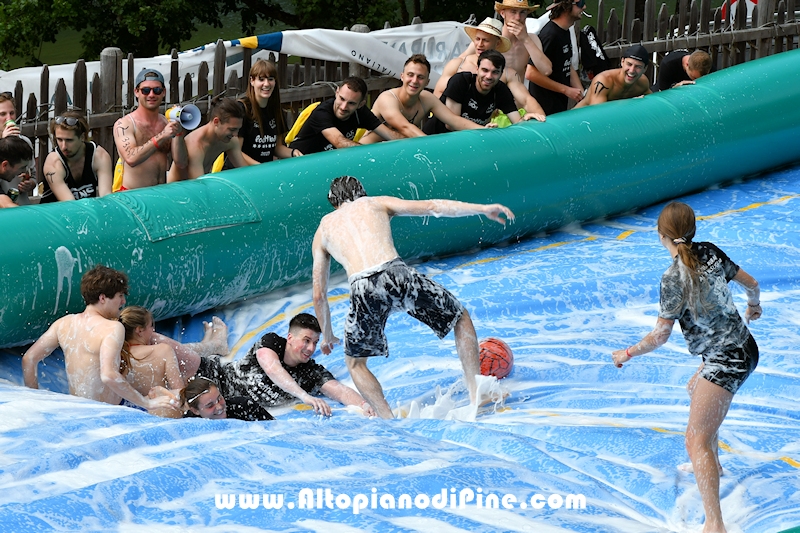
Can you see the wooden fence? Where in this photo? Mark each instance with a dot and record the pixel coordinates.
(310, 80)
(729, 41)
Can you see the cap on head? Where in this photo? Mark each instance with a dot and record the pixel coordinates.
(492, 26)
(639, 53)
(514, 4)
(148, 74)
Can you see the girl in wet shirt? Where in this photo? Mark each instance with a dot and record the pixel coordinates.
(694, 291)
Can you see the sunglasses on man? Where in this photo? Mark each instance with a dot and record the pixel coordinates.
(159, 90)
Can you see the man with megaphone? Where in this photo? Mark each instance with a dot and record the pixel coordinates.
(145, 139)
(206, 143)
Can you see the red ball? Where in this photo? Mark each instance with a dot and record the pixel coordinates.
(497, 359)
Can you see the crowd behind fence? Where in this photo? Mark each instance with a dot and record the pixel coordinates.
(730, 41)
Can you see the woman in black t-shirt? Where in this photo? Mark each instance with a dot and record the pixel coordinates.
(264, 128)
(694, 291)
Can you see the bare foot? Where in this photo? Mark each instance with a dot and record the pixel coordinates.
(218, 341)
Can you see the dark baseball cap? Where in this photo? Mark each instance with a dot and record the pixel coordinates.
(149, 74)
(639, 53)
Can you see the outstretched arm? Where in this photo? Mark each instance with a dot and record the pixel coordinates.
(271, 365)
(750, 285)
(343, 394)
(320, 273)
(110, 350)
(446, 115)
(658, 337)
(445, 208)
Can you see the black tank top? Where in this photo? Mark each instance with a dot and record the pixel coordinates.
(85, 187)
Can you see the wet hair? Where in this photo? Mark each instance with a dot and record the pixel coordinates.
(304, 321)
(700, 62)
(419, 59)
(225, 109)
(677, 223)
(102, 280)
(132, 317)
(356, 84)
(497, 59)
(264, 69)
(15, 150)
(196, 387)
(345, 189)
(82, 127)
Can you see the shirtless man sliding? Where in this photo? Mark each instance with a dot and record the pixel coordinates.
(145, 137)
(359, 236)
(403, 108)
(92, 342)
(628, 81)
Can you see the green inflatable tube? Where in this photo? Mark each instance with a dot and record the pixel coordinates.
(188, 247)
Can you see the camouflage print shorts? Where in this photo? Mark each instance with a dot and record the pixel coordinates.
(391, 287)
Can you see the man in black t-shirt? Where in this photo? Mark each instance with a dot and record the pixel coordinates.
(333, 123)
(553, 92)
(680, 67)
(477, 96)
(277, 370)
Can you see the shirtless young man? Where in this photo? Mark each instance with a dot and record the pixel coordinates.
(358, 235)
(403, 108)
(207, 142)
(525, 46)
(145, 136)
(92, 343)
(628, 81)
(488, 36)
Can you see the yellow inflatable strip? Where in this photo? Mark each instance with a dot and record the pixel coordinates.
(247, 337)
(750, 207)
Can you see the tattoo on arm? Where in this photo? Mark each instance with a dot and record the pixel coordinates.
(49, 176)
(599, 87)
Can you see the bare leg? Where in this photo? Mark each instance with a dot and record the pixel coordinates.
(690, 389)
(188, 358)
(468, 352)
(368, 385)
(708, 408)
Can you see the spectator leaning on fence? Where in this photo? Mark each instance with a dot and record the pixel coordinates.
(77, 168)
(335, 123)
(145, 139)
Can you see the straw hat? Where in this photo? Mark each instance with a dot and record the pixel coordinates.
(516, 4)
(491, 26)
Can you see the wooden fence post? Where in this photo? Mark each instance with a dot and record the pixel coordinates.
(357, 69)
(111, 95)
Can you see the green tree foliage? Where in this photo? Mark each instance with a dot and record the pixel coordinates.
(149, 27)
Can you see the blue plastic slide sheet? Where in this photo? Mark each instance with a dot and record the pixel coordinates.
(577, 446)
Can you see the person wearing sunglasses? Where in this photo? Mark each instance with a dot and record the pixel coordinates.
(77, 168)
(15, 156)
(554, 91)
(628, 81)
(145, 139)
